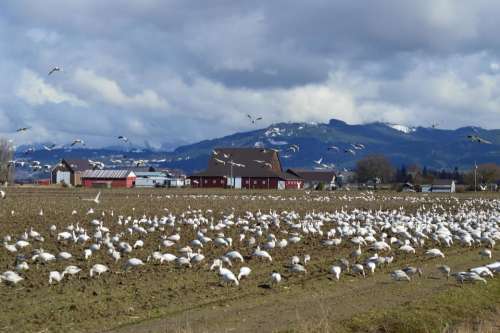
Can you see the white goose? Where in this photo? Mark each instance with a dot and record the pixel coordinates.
(99, 269)
(55, 276)
(244, 272)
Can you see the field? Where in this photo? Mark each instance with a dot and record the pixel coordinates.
(170, 297)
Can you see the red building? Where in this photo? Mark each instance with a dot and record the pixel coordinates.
(108, 178)
(250, 168)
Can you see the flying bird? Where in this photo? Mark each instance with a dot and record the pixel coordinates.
(478, 139)
(77, 141)
(96, 199)
(349, 151)
(123, 138)
(55, 69)
(2, 194)
(49, 147)
(23, 129)
(358, 146)
(294, 148)
(319, 161)
(334, 148)
(219, 161)
(252, 119)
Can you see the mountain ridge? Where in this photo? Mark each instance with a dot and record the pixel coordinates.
(426, 146)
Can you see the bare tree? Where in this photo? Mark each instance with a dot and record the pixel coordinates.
(486, 173)
(6, 155)
(374, 166)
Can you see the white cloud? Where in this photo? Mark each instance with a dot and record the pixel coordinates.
(110, 92)
(43, 36)
(35, 91)
(203, 67)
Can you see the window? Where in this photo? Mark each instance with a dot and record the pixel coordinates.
(263, 182)
(255, 182)
(206, 181)
(214, 181)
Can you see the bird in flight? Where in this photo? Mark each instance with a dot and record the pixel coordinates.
(253, 120)
(96, 199)
(23, 129)
(77, 141)
(2, 194)
(49, 147)
(219, 161)
(123, 138)
(294, 148)
(55, 69)
(350, 151)
(319, 162)
(334, 148)
(478, 139)
(358, 146)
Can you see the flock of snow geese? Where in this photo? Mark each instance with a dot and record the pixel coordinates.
(376, 237)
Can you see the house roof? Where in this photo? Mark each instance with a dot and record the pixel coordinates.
(108, 174)
(313, 175)
(246, 162)
(289, 176)
(149, 174)
(77, 165)
(142, 169)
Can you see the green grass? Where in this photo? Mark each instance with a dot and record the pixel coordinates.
(439, 313)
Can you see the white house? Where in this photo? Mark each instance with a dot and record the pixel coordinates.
(440, 186)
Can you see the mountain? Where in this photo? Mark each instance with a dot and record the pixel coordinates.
(432, 147)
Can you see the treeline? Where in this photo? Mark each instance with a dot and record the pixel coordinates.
(378, 167)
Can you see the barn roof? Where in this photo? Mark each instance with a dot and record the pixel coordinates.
(313, 175)
(246, 162)
(108, 174)
(77, 165)
(146, 174)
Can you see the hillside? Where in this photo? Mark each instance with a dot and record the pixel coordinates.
(432, 147)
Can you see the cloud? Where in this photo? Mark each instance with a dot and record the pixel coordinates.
(180, 70)
(110, 92)
(35, 91)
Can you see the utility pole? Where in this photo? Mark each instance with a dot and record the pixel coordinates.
(232, 177)
(475, 176)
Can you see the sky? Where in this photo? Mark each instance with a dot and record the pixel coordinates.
(172, 72)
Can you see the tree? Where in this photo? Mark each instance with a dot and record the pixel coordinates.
(424, 171)
(374, 166)
(488, 173)
(402, 174)
(6, 155)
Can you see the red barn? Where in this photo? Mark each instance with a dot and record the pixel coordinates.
(108, 178)
(250, 168)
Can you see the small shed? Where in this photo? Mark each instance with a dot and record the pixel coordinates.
(443, 186)
(440, 186)
(151, 179)
(312, 178)
(70, 171)
(109, 178)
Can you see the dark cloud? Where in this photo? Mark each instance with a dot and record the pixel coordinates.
(181, 70)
